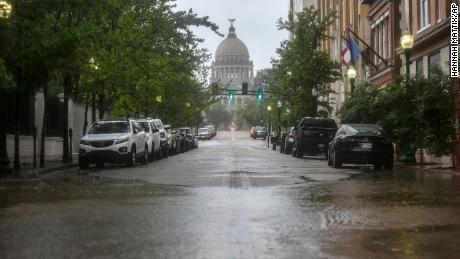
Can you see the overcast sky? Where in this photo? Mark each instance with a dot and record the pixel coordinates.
(255, 24)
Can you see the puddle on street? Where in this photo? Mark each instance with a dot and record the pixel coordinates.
(395, 213)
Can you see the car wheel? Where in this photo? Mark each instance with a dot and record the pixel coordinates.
(83, 165)
(336, 161)
(378, 166)
(298, 153)
(166, 152)
(329, 160)
(132, 157)
(145, 157)
(389, 165)
(152, 154)
(160, 154)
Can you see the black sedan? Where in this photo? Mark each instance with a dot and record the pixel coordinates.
(360, 144)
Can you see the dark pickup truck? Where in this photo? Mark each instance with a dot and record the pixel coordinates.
(312, 136)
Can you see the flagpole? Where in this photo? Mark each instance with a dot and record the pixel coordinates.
(364, 56)
(369, 47)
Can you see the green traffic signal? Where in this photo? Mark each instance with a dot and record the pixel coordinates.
(260, 94)
(231, 95)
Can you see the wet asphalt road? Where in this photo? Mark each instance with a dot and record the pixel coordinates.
(232, 198)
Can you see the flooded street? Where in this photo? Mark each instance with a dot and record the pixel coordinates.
(232, 198)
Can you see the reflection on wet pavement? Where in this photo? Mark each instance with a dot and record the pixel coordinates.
(381, 214)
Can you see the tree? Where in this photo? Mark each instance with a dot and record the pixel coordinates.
(302, 68)
(219, 115)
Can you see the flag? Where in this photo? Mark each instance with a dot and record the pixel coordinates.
(345, 54)
(355, 51)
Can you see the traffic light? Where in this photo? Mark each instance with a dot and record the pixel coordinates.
(244, 88)
(260, 94)
(231, 95)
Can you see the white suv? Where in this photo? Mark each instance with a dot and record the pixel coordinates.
(163, 137)
(113, 142)
(152, 138)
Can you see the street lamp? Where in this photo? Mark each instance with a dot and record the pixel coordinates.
(351, 73)
(279, 104)
(5, 9)
(5, 12)
(314, 94)
(407, 42)
(269, 108)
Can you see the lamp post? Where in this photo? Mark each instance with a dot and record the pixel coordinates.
(351, 73)
(269, 108)
(5, 12)
(407, 42)
(314, 94)
(279, 104)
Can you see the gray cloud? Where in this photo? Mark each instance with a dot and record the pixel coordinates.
(255, 24)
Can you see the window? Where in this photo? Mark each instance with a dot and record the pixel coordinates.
(424, 13)
(381, 38)
(434, 60)
(419, 66)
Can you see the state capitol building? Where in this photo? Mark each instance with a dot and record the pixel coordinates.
(232, 67)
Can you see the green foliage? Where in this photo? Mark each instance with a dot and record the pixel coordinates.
(139, 49)
(417, 113)
(302, 67)
(219, 115)
(252, 113)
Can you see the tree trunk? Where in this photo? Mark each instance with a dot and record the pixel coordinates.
(44, 121)
(17, 161)
(65, 142)
(17, 104)
(93, 107)
(101, 106)
(85, 125)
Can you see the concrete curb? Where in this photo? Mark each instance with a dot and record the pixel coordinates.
(418, 168)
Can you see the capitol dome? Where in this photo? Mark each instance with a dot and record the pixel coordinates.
(232, 46)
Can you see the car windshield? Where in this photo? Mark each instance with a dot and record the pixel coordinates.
(203, 130)
(366, 129)
(185, 130)
(319, 123)
(145, 126)
(158, 124)
(109, 128)
(259, 128)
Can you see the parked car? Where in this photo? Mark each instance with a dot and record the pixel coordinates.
(163, 138)
(312, 136)
(260, 132)
(190, 139)
(113, 141)
(204, 133)
(181, 140)
(152, 135)
(361, 144)
(289, 141)
(212, 129)
(172, 139)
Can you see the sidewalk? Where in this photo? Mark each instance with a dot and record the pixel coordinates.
(28, 173)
